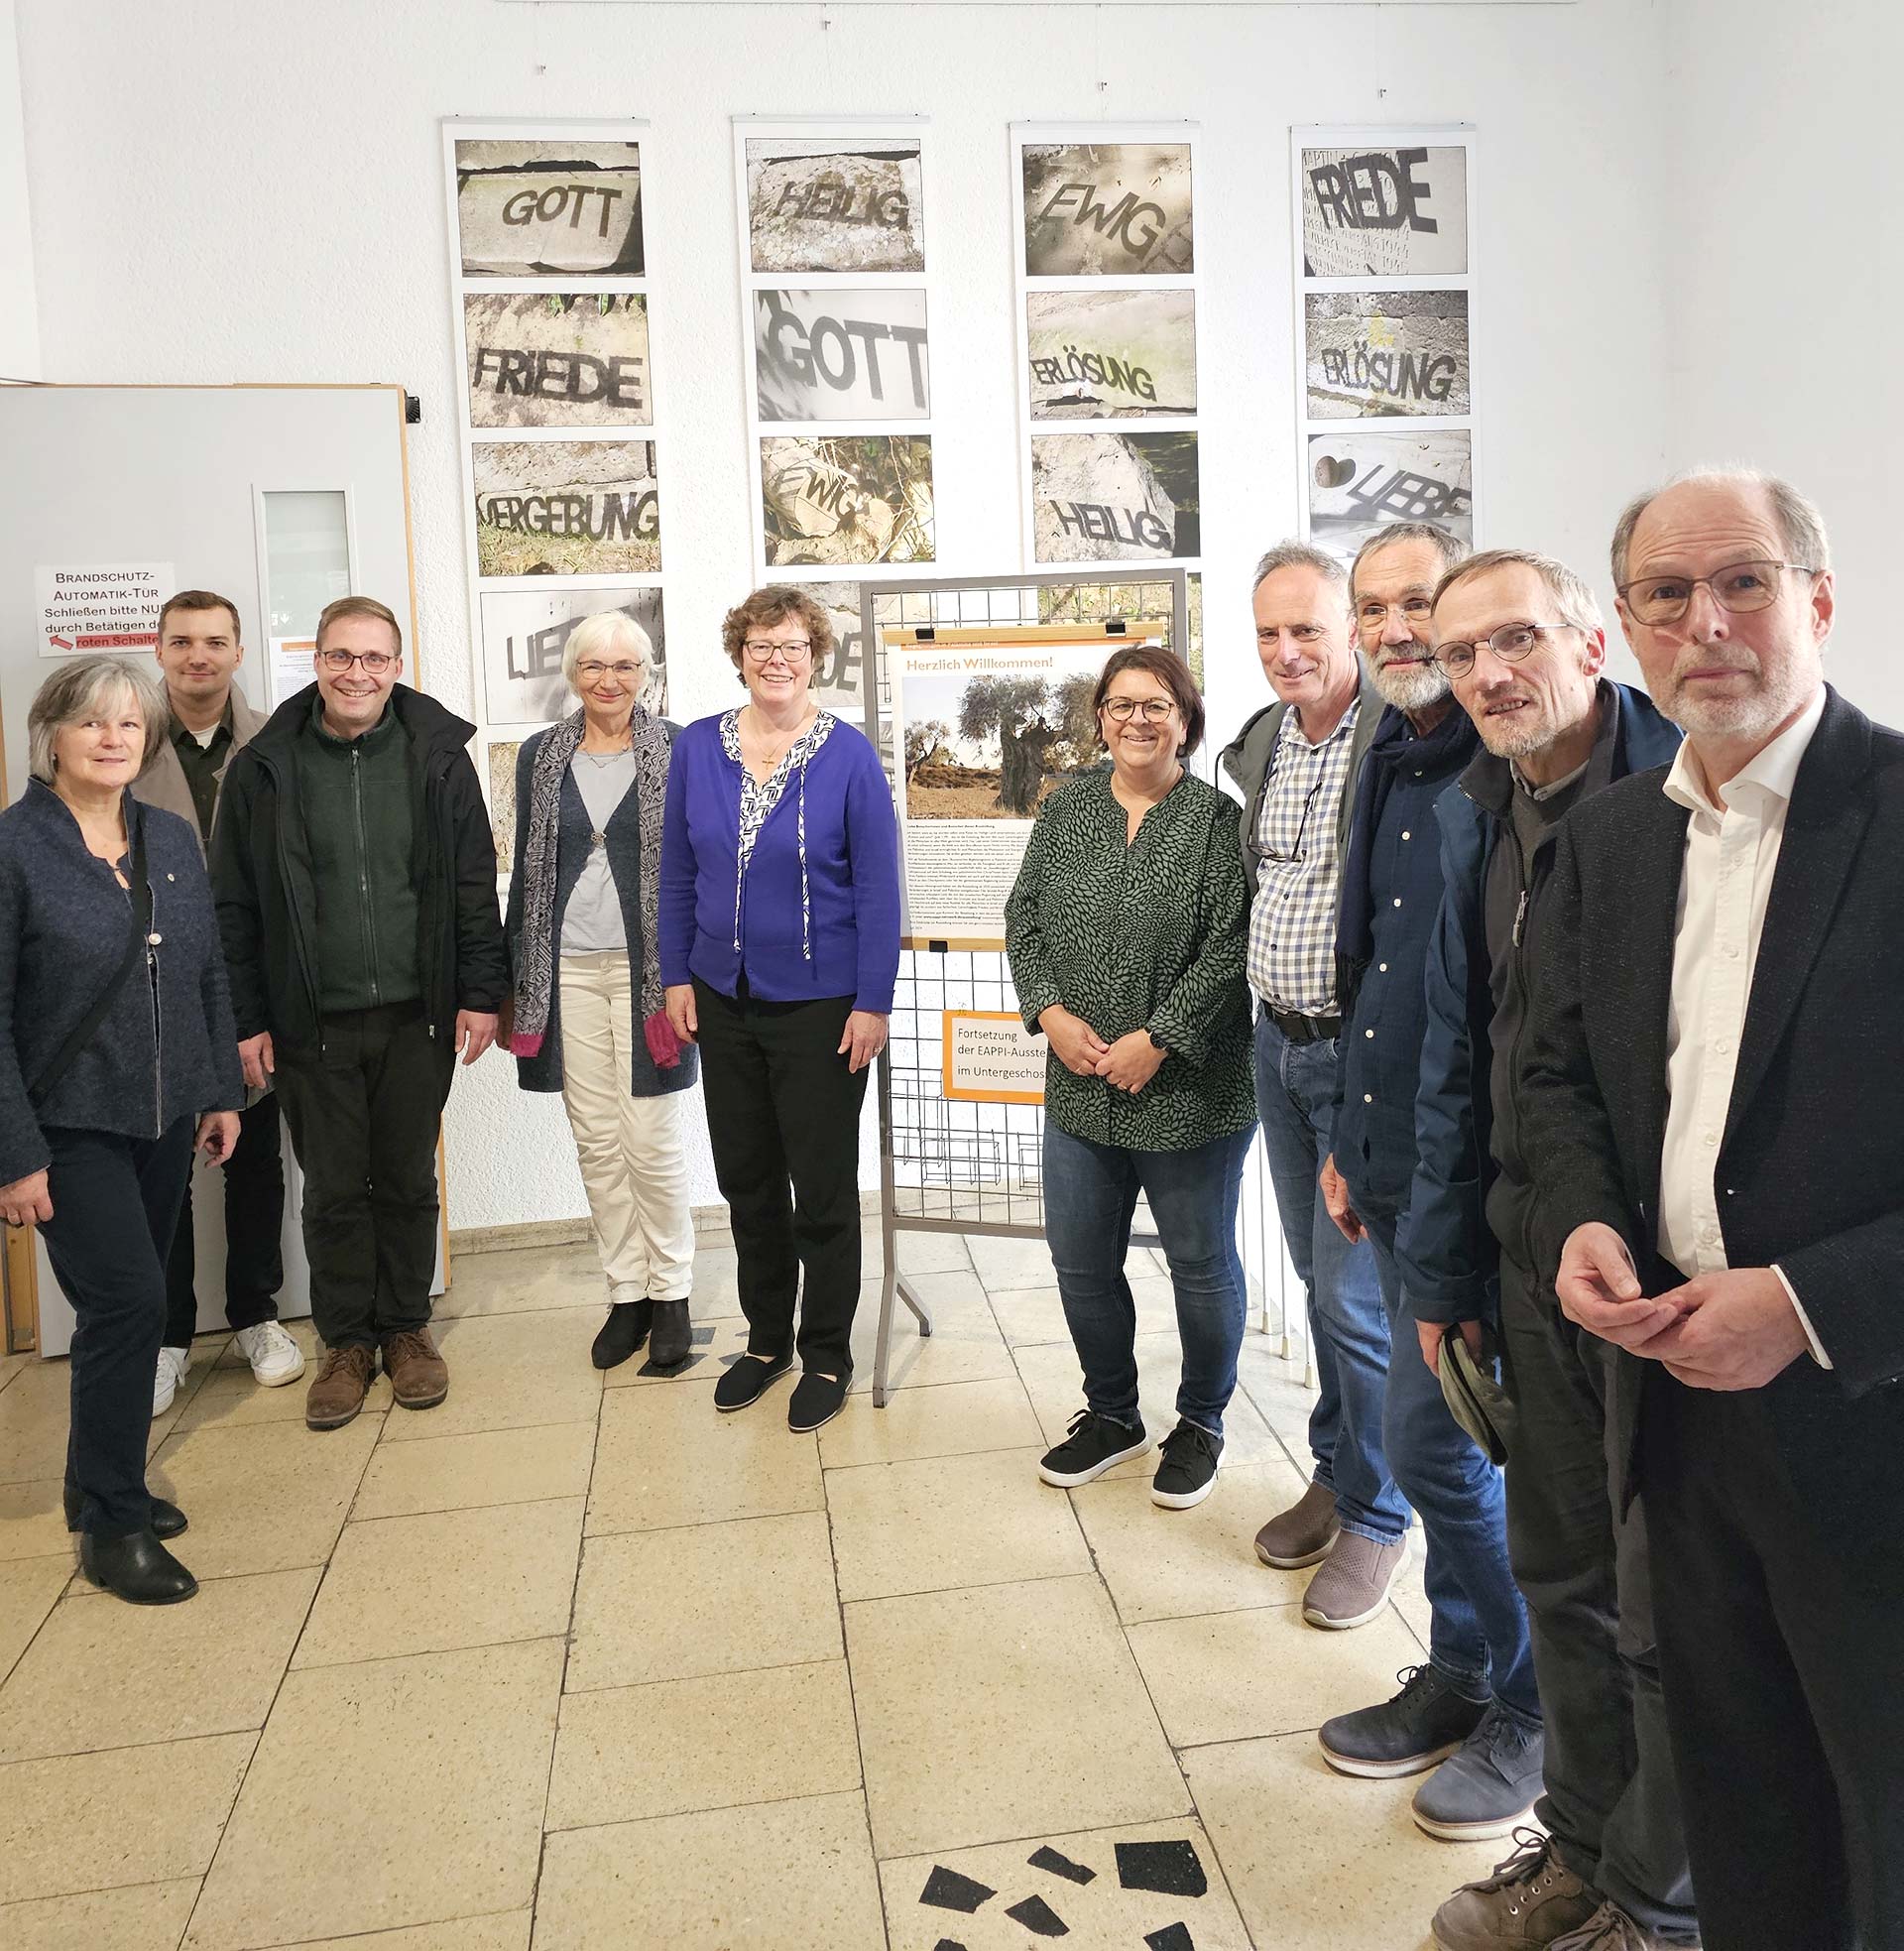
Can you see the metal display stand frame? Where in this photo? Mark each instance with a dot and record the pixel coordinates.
(908, 1085)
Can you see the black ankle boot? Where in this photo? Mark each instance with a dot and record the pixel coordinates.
(622, 1333)
(168, 1520)
(137, 1569)
(673, 1335)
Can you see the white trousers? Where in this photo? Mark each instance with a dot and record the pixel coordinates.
(630, 1150)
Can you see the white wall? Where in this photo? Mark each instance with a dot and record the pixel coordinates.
(19, 311)
(1785, 278)
(254, 192)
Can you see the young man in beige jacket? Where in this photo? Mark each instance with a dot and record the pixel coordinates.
(200, 648)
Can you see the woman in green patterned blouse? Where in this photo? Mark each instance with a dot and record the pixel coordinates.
(1126, 935)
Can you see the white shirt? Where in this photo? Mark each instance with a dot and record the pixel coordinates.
(1731, 855)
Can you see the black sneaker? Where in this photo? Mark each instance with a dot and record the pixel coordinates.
(1187, 1473)
(1424, 1722)
(1093, 1445)
(1489, 1785)
(749, 1379)
(622, 1333)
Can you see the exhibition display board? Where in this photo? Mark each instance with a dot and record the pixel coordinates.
(1385, 322)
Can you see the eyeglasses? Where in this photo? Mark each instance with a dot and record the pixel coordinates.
(593, 673)
(1120, 711)
(375, 663)
(1739, 588)
(1297, 854)
(760, 651)
(1511, 643)
(1413, 609)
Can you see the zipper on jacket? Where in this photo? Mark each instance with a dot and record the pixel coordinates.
(1520, 916)
(365, 909)
(157, 1024)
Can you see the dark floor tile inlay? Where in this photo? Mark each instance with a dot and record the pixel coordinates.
(946, 1890)
(1173, 1868)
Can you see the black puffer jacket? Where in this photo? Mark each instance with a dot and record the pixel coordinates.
(261, 874)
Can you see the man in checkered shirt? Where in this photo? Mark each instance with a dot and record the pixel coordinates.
(1296, 762)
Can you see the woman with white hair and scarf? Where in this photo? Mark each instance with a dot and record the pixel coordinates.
(584, 951)
(779, 947)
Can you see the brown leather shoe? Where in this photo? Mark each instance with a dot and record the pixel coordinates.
(419, 1376)
(334, 1399)
(1303, 1534)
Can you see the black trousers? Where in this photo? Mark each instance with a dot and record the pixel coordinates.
(1611, 1803)
(364, 1118)
(1784, 1666)
(254, 1229)
(782, 1108)
(114, 1204)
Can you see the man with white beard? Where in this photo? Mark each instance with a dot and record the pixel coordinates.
(1521, 639)
(1473, 1706)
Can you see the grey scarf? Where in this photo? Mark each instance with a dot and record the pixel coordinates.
(535, 975)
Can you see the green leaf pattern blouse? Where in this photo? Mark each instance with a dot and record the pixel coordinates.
(1145, 937)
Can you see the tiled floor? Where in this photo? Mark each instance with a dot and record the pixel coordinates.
(563, 1664)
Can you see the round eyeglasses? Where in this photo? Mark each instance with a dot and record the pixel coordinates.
(1120, 711)
(1511, 643)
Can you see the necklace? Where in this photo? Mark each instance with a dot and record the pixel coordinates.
(770, 754)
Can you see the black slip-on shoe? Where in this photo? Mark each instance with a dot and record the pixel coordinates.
(749, 1379)
(816, 1398)
(622, 1333)
(1187, 1472)
(1095, 1444)
(168, 1520)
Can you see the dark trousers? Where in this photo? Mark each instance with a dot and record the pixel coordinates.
(254, 1229)
(363, 1117)
(1612, 1805)
(114, 1204)
(782, 1107)
(1783, 1656)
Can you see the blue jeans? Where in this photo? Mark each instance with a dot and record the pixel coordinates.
(1090, 1192)
(1347, 1324)
(1477, 1636)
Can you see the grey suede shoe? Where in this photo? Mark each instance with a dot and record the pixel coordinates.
(1354, 1584)
(1489, 1787)
(1301, 1535)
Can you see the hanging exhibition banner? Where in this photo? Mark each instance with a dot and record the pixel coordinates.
(839, 376)
(528, 208)
(986, 727)
(1372, 206)
(1383, 212)
(99, 606)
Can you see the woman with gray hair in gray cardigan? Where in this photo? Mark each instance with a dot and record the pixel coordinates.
(589, 1020)
(118, 1056)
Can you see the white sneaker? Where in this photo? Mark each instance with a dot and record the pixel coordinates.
(273, 1357)
(173, 1364)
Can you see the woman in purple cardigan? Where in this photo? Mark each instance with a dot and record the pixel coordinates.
(779, 935)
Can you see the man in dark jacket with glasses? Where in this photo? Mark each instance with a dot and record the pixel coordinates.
(355, 877)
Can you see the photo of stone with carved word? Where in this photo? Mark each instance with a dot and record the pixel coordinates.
(859, 500)
(1361, 482)
(1107, 210)
(1114, 497)
(836, 355)
(524, 635)
(566, 508)
(528, 209)
(1111, 355)
(835, 203)
(1384, 212)
(1370, 354)
(557, 359)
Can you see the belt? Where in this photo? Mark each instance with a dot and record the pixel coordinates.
(1304, 1028)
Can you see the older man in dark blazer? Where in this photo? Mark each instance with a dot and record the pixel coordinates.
(1712, 1103)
